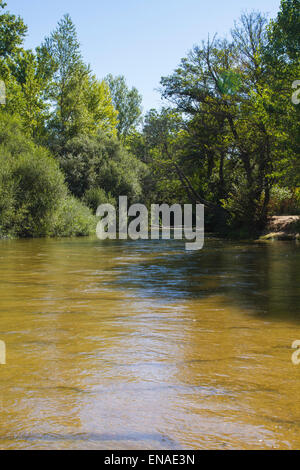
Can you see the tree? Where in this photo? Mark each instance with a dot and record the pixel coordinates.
(93, 162)
(82, 104)
(33, 107)
(98, 100)
(224, 89)
(12, 32)
(284, 30)
(161, 136)
(282, 56)
(128, 104)
(173, 157)
(64, 58)
(21, 71)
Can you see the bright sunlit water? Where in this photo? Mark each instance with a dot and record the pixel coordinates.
(142, 345)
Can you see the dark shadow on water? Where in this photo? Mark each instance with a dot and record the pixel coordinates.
(263, 278)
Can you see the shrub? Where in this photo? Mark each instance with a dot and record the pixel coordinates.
(243, 206)
(72, 219)
(94, 197)
(31, 189)
(34, 199)
(40, 189)
(7, 196)
(12, 135)
(283, 201)
(101, 162)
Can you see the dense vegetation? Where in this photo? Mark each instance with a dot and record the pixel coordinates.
(229, 137)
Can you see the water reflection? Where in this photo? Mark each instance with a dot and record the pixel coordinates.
(262, 277)
(144, 345)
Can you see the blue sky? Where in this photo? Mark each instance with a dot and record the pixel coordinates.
(141, 39)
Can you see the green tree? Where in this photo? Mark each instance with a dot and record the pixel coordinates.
(101, 162)
(282, 56)
(102, 115)
(33, 106)
(64, 59)
(284, 30)
(128, 104)
(224, 89)
(82, 104)
(12, 32)
(34, 200)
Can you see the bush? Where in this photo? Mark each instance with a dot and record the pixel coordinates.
(94, 197)
(31, 189)
(7, 196)
(72, 219)
(34, 199)
(101, 162)
(283, 201)
(39, 192)
(12, 135)
(244, 207)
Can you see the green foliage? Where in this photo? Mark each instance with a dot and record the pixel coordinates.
(230, 82)
(282, 56)
(12, 135)
(34, 199)
(32, 187)
(128, 104)
(161, 128)
(12, 32)
(241, 130)
(40, 187)
(283, 201)
(243, 208)
(162, 132)
(101, 162)
(7, 198)
(22, 74)
(82, 104)
(94, 197)
(231, 139)
(72, 219)
(33, 85)
(284, 31)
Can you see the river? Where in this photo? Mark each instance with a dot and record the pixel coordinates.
(143, 345)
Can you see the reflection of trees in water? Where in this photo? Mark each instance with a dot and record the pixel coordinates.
(261, 277)
(101, 332)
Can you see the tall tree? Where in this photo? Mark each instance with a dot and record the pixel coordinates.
(63, 52)
(82, 104)
(282, 56)
(128, 103)
(284, 30)
(12, 32)
(224, 88)
(33, 107)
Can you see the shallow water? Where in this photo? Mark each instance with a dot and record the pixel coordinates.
(142, 345)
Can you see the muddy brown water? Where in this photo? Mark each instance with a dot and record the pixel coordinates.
(142, 345)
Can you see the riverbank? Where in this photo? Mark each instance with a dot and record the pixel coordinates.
(283, 227)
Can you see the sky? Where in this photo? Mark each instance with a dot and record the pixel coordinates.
(140, 39)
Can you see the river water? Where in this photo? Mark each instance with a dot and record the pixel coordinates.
(143, 345)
